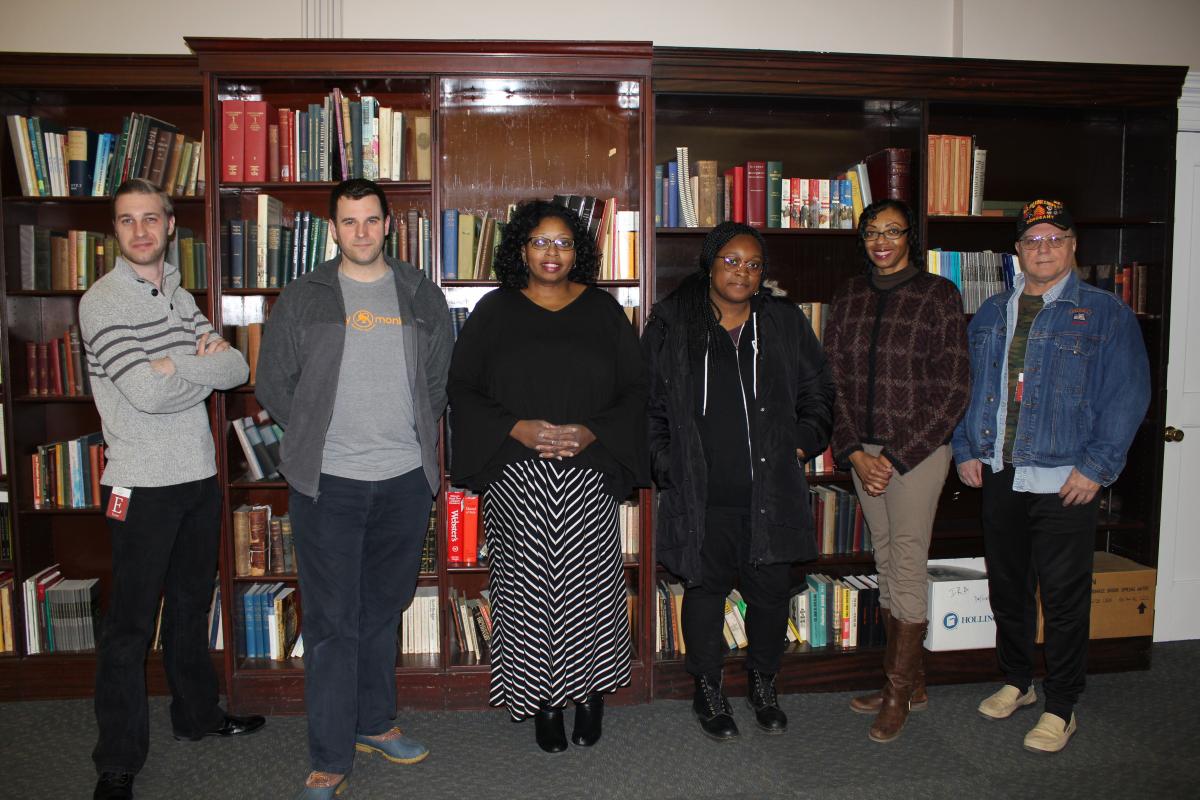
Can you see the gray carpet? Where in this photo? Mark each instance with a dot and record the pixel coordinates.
(1137, 737)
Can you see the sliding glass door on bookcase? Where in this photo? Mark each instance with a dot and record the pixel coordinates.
(1111, 165)
(467, 127)
(74, 126)
(282, 144)
(502, 141)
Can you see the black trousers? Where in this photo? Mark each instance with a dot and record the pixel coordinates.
(724, 558)
(1032, 541)
(358, 546)
(166, 547)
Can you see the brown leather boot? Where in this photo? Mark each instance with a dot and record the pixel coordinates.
(902, 676)
(870, 703)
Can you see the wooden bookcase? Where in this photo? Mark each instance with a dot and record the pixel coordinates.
(95, 92)
(510, 121)
(1101, 137)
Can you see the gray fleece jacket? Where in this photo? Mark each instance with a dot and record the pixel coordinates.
(300, 360)
(155, 426)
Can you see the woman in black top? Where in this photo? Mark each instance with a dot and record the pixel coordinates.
(740, 396)
(548, 395)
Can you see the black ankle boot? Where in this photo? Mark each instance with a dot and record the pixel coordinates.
(713, 711)
(588, 716)
(548, 727)
(764, 702)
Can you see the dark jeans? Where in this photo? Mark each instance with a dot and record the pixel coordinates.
(358, 545)
(724, 557)
(1032, 540)
(166, 547)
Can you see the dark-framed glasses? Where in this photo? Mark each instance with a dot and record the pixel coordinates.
(543, 242)
(733, 264)
(891, 234)
(1031, 243)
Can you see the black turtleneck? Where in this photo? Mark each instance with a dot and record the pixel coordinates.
(886, 283)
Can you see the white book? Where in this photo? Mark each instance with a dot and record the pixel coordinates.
(385, 144)
(978, 170)
(397, 152)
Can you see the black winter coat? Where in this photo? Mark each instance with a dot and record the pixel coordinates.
(793, 409)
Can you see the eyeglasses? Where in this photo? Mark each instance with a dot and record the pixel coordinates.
(733, 263)
(891, 234)
(1031, 243)
(543, 242)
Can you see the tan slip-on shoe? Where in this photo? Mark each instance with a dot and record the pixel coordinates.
(1050, 735)
(1003, 703)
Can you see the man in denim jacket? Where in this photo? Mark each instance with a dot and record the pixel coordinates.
(1060, 381)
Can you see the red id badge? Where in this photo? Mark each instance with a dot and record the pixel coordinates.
(118, 503)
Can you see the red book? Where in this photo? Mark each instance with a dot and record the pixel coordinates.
(454, 532)
(36, 479)
(756, 194)
(31, 367)
(273, 153)
(55, 367)
(69, 366)
(233, 141)
(43, 361)
(471, 528)
(256, 141)
(737, 205)
(1127, 284)
(285, 145)
(96, 456)
(797, 194)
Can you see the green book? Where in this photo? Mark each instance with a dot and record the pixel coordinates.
(774, 193)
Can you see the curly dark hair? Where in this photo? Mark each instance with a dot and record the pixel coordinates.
(701, 318)
(510, 266)
(916, 256)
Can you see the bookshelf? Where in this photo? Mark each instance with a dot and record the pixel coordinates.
(98, 93)
(1104, 139)
(1106, 145)
(508, 121)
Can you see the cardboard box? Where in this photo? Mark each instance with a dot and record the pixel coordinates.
(960, 613)
(1122, 598)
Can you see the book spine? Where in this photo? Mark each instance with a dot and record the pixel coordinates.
(978, 171)
(255, 141)
(756, 194)
(774, 211)
(233, 141)
(450, 244)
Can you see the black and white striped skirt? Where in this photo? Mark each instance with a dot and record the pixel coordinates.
(560, 626)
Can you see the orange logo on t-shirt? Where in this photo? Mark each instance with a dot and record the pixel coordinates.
(364, 320)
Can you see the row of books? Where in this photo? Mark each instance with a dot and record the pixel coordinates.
(335, 139)
(978, 276)
(616, 233)
(61, 614)
(842, 613)
(271, 245)
(458, 318)
(263, 543)
(215, 625)
(259, 438)
(248, 341)
(758, 193)
(67, 474)
(419, 623)
(270, 621)
(57, 368)
(462, 528)
(58, 161)
(956, 173)
(838, 521)
(469, 242)
(1130, 282)
(56, 260)
(818, 315)
(471, 624)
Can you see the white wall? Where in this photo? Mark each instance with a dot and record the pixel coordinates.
(1152, 31)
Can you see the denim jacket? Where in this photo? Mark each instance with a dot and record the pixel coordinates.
(1087, 383)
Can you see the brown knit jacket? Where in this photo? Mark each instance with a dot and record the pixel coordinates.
(899, 359)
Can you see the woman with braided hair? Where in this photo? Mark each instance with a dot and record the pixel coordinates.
(740, 397)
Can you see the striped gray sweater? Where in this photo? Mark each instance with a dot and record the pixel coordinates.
(156, 427)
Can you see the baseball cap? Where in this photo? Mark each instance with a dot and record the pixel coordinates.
(1036, 212)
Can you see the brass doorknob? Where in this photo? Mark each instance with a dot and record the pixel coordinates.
(1171, 434)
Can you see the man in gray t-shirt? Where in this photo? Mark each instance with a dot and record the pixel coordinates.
(353, 366)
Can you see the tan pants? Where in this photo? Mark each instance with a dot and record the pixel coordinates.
(901, 523)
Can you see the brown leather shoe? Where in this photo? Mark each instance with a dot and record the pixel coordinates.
(905, 655)
(871, 703)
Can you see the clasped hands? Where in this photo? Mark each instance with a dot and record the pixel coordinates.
(552, 441)
(1077, 489)
(204, 347)
(873, 471)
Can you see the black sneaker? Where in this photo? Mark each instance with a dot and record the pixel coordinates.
(114, 786)
(713, 711)
(763, 700)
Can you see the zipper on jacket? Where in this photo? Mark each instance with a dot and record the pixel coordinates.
(737, 355)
